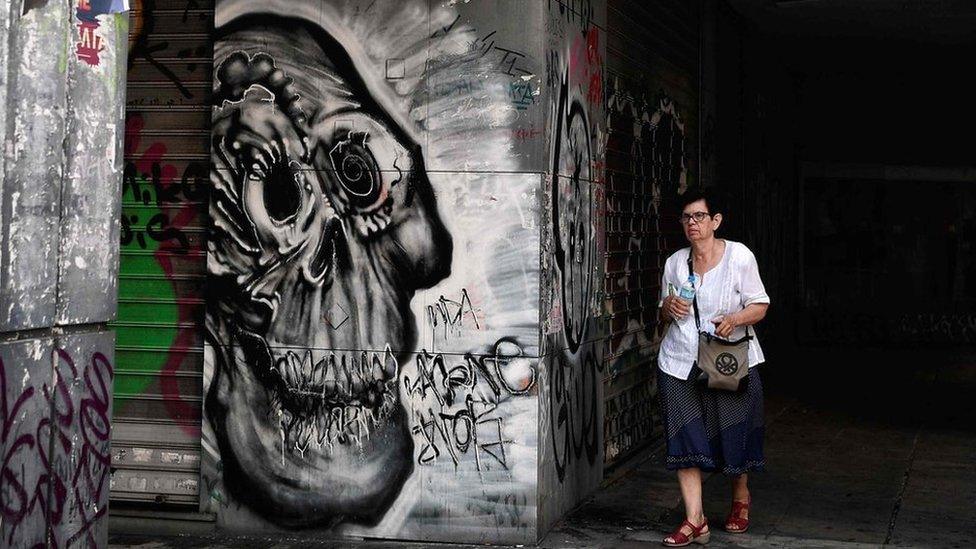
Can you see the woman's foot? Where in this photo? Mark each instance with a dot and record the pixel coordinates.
(738, 520)
(688, 533)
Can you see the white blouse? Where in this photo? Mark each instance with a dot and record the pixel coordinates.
(729, 287)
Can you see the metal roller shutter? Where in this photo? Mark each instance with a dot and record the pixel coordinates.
(159, 354)
(652, 91)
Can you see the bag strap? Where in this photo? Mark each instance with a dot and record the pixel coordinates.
(694, 300)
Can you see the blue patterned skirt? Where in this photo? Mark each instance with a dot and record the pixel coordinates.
(712, 429)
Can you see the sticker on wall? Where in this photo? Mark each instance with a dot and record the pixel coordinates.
(90, 41)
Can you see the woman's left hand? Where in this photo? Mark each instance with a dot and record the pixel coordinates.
(724, 324)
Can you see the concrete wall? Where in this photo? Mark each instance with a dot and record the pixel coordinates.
(466, 270)
(56, 412)
(380, 172)
(61, 129)
(571, 388)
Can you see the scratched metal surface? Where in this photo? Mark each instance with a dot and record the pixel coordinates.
(89, 257)
(34, 161)
(156, 436)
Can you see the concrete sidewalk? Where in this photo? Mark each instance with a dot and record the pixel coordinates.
(845, 469)
(893, 486)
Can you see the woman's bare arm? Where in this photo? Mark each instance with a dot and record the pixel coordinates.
(749, 316)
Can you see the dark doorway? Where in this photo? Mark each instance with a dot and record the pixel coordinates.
(887, 260)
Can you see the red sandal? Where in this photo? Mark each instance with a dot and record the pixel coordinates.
(734, 523)
(680, 539)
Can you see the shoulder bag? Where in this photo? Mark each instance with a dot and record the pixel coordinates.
(725, 363)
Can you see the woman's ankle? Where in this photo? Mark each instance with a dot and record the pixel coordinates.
(742, 495)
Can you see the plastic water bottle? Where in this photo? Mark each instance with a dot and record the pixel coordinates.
(687, 291)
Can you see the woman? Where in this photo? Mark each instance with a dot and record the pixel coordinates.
(710, 429)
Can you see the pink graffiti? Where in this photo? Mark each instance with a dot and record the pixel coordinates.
(586, 65)
(66, 447)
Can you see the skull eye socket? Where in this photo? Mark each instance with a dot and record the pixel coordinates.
(357, 170)
(282, 192)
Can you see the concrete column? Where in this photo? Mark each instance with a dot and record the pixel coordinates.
(405, 277)
(62, 91)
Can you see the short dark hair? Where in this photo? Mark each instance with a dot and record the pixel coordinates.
(712, 197)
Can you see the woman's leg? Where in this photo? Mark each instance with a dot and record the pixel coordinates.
(691, 492)
(738, 520)
(687, 444)
(740, 488)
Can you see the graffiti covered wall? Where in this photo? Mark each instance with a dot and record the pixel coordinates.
(372, 362)
(54, 440)
(571, 407)
(61, 97)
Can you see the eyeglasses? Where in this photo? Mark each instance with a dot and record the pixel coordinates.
(697, 216)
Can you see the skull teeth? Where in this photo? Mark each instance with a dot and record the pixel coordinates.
(321, 398)
(326, 428)
(307, 368)
(390, 366)
(376, 370)
(317, 375)
(358, 379)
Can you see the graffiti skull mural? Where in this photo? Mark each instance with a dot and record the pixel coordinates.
(324, 227)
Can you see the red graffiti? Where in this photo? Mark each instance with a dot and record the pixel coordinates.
(586, 65)
(169, 189)
(63, 452)
(523, 134)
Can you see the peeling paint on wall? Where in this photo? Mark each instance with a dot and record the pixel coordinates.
(35, 109)
(90, 194)
(60, 129)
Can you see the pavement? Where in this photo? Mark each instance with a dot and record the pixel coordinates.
(885, 458)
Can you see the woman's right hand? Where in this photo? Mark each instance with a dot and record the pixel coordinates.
(675, 307)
